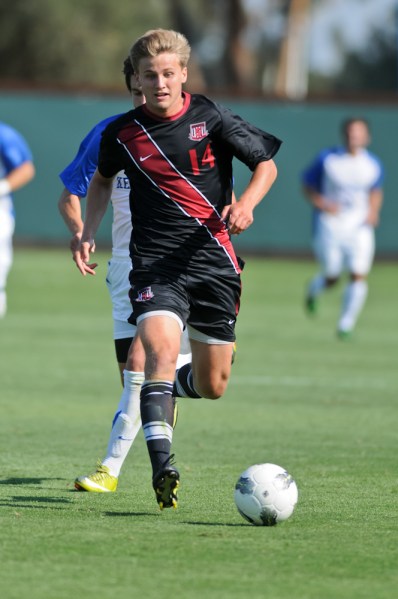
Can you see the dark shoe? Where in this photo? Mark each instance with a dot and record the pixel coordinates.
(165, 484)
(311, 306)
(344, 335)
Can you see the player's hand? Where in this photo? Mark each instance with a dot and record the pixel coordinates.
(237, 217)
(82, 257)
(74, 245)
(330, 207)
(322, 203)
(373, 218)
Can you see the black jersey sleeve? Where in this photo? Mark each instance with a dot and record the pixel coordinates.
(110, 157)
(248, 143)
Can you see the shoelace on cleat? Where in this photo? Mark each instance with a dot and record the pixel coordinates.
(100, 474)
(170, 461)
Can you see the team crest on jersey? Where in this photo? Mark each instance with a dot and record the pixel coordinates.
(198, 131)
(144, 294)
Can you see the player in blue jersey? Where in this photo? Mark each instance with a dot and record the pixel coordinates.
(16, 170)
(344, 186)
(177, 151)
(76, 178)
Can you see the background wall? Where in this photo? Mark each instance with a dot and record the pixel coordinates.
(54, 126)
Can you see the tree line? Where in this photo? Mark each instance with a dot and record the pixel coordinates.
(83, 43)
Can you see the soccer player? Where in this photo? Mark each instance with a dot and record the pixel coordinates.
(16, 170)
(344, 186)
(76, 177)
(177, 152)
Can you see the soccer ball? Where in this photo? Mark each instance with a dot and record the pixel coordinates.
(265, 494)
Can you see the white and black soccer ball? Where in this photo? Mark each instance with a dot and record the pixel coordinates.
(265, 494)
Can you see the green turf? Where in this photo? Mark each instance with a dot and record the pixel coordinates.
(323, 408)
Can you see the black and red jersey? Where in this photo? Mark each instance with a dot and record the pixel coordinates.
(180, 171)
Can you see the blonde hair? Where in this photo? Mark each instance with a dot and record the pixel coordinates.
(157, 41)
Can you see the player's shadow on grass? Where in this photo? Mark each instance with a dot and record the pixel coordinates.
(25, 481)
(217, 524)
(42, 499)
(23, 502)
(128, 514)
(20, 506)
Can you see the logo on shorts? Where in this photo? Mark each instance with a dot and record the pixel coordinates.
(144, 295)
(198, 131)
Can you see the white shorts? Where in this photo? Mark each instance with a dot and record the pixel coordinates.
(185, 356)
(117, 281)
(6, 232)
(352, 250)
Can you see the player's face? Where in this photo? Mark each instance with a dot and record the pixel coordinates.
(357, 136)
(161, 79)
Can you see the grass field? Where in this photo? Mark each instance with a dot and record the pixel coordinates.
(324, 409)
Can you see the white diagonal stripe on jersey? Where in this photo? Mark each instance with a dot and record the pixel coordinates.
(157, 430)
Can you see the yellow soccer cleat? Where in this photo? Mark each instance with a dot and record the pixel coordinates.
(101, 481)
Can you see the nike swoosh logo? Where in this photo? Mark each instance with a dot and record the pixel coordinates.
(143, 158)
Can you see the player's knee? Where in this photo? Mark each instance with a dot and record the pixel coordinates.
(163, 361)
(213, 388)
(136, 357)
(136, 363)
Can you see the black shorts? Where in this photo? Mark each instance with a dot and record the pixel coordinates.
(205, 299)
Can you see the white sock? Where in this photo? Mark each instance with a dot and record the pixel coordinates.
(354, 298)
(316, 286)
(126, 423)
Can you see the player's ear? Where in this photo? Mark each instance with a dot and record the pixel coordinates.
(184, 74)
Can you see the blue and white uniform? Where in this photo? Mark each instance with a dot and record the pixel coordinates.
(14, 151)
(76, 178)
(344, 239)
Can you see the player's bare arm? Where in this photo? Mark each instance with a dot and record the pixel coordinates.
(239, 215)
(375, 203)
(319, 201)
(69, 206)
(98, 196)
(21, 175)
